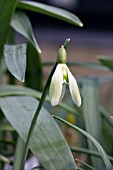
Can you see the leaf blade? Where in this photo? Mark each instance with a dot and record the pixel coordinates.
(21, 23)
(107, 62)
(18, 152)
(47, 141)
(34, 71)
(51, 11)
(12, 90)
(97, 145)
(15, 57)
(6, 127)
(5, 19)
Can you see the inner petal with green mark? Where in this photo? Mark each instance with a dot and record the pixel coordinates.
(65, 74)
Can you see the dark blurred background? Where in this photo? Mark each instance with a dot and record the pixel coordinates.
(95, 14)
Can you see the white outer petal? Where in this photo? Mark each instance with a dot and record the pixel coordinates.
(56, 86)
(74, 90)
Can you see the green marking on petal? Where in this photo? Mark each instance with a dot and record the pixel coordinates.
(65, 73)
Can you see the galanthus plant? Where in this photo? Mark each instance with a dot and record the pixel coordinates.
(24, 121)
(62, 76)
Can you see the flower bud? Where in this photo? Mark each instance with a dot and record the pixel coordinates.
(62, 55)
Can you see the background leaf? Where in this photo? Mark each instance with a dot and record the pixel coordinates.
(93, 140)
(80, 64)
(15, 57)
(34, 74)
(6, 12)
(11, 90)
(47, 142)
(18, 152)
(51, 11)
(21, 23)
(6, 127)
(106, 62)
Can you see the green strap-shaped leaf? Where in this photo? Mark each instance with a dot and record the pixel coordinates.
(15, 57)
(6, 127)
(11, 90)
(93, 140)
(108, 62)
(18, 152)
(51, 11)
(6, 11)
(20, 22)
(47, 142)
(80, 64)
(33, 69)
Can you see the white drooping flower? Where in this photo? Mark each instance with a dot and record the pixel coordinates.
(60, 78)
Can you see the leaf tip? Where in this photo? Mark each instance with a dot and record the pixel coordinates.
(81, 24)
(40, 52)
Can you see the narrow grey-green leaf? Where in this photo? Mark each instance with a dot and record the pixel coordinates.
(51, 11)
(88, 152)
(47, 142)
(6, 127)
(9, 90)
(93, 140)
(15, 57)
(21, 23)
(33, 70)
(6, 12)
(80, 64)
(12, 90)
(18, 152)
(105, 61)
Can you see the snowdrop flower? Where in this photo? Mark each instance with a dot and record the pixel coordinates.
(60, 78)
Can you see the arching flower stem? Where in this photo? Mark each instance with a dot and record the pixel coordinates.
(34, 120)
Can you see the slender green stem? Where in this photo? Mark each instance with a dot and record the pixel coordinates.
(88, 152)
(97, 145)
(79, 168)
(84, 163)
(34, 120)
